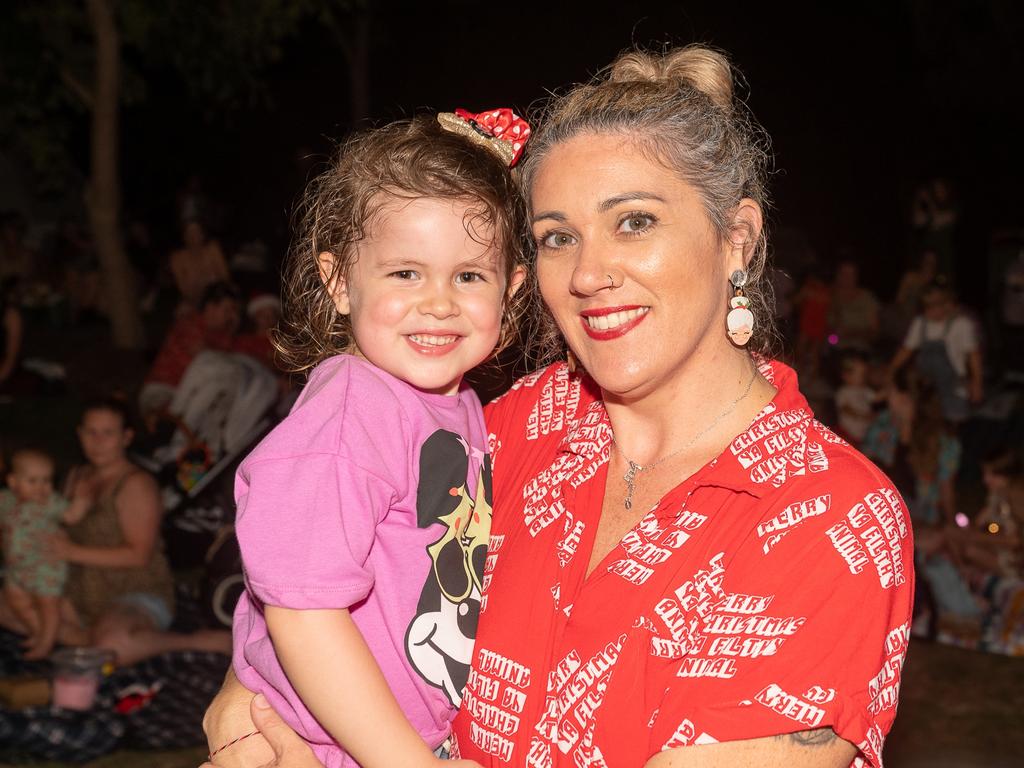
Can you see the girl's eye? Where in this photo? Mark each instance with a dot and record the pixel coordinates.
(636, 222)
(556, 240)
(404, 274)
(469, 277)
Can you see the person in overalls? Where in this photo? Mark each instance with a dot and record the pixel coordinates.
(946, 352)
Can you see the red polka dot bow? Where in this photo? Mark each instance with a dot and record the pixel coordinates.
(502, 130)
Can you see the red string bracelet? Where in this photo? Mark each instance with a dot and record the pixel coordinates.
(230, 744)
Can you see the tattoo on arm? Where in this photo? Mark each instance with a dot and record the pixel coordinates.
(815, 738)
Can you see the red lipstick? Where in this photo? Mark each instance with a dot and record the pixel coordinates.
(606, 334)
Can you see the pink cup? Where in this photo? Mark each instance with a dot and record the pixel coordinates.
(76, 676)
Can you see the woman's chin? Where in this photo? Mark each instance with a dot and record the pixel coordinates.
(620, 379)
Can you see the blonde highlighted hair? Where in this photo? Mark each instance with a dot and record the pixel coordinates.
(681, 107)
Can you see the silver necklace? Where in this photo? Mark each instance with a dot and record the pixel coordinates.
(635, 469)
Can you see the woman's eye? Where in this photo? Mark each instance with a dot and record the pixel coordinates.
(557, 240)
(636, 222)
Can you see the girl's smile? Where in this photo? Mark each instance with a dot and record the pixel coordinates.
(426, 292)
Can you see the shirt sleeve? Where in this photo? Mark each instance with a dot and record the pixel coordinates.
(809, 632)
(913, 338)
(963, 335)
(305, 526)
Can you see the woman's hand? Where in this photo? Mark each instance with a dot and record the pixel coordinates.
(289, 750)
(59, 546)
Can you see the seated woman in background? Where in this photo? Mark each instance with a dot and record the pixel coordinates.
(120, 593)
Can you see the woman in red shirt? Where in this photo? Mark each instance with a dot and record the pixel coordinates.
(685, 567)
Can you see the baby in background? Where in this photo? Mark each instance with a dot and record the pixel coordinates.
(855, 399)
(30, 513)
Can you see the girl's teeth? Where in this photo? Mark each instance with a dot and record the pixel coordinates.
(615, 319)
(433, 341)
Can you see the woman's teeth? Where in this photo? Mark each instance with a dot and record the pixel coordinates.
(615, 319)
(432, 341)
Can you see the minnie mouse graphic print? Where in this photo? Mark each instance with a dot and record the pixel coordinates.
(769, 593)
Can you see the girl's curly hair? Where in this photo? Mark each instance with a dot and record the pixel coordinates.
(407, 159)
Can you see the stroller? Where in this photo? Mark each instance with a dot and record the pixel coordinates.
(223, 406)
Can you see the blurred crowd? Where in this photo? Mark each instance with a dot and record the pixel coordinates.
(928, 387)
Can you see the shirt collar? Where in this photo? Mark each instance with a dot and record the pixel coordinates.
(735, 468)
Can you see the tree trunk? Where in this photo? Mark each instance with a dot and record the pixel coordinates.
(103, 196)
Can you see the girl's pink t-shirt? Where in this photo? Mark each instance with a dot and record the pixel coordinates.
(374, 497)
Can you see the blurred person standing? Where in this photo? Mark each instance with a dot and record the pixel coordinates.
(812, 304)
(944, 344)
(934, 217)
(854, 312)
(906, 304)
(196, 266)
(1012, 317)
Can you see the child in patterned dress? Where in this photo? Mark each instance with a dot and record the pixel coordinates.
(30, 513)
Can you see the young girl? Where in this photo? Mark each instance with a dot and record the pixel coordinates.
(363, 518)
(30, 513)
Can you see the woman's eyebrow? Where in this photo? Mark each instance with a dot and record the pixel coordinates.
(625, 197)
(604, 206)
(554, 215)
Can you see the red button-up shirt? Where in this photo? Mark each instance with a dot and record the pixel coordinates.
(768, 593)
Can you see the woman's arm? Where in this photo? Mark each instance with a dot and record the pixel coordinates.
(12, 342)
(139, 512)
(820, 748)
(324, 654)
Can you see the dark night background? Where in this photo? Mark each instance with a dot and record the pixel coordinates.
(864, 102)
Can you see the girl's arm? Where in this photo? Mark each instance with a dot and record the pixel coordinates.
(138, 511)
(331, 668)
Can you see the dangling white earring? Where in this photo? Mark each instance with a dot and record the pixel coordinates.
(740, 320)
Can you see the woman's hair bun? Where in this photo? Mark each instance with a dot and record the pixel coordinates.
(697, 66)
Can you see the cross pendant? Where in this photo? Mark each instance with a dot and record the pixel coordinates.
(629, 477)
